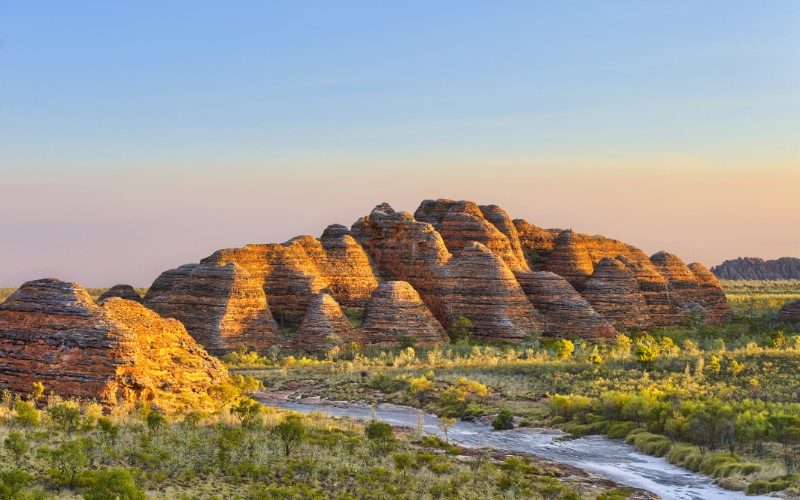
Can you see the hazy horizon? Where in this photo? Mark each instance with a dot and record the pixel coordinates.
(137, 137)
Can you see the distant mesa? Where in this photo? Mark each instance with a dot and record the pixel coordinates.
(753, 268)
(122, 291)
(117, 352)
(400, 276)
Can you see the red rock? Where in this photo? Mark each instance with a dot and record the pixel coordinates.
(614, 292)
(324, 324)
(223, 307)
(711, 296)
(478, 285)
(396, 310)
(117, 352)
(566, 313)
(536, 243)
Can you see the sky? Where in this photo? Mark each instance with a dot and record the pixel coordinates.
(136, 136)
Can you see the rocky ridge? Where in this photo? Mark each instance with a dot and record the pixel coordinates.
(510, 278)
(752, 268)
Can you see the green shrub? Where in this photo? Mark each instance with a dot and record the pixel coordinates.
(504, 420)
(117, 483)
(379, 431)
(12, 482)
(620, 430)
(767, 486)
(652, 444)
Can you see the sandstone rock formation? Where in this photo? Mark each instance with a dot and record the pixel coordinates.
(478, 285)
(122, 291)
(117, 352)
(752, 268)
(507, 276)
(323, 324)
(396, 310)
(566, 313)
(789, 314)
(223, 307)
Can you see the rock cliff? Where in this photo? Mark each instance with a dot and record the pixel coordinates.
(116, 352)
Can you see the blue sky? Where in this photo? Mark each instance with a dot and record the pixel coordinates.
(134, 104)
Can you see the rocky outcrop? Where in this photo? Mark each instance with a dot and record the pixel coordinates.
(223, 307)
(324, 325)
(462, 259)
(463, 222)
(117, 353)
(614, 292)
(710, 298)
(789, 314)
(478, 285)
(566, 313)
(396, 310)
(752, 268)
(123, 292)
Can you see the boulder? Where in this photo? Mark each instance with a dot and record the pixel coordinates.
(118, 352)
(123, 292)
(395, 310)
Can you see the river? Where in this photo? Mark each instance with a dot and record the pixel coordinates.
(613, 459)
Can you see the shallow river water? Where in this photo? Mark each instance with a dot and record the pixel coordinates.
(610, 458)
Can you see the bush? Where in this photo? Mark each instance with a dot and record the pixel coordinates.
(115, 483)
(12, 482)
(652, 444)
(379, 431)
(504, 420)
(620, 430)
(767, 486)
(291, 431)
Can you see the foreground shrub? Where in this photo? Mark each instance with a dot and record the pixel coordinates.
(115, 483)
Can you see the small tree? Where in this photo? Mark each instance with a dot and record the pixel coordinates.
(446, 423)
(248, 411)
(504, 420)
(66, 417)
(461, 329)
(68, 459)
(17, 445)
(291, 431)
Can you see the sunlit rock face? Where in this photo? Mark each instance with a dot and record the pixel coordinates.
(508, 277)
(463, 222)
(324, 325)
(789, 314)
(223, 307)
(119, 352)
(122, 291)
(566, 313)
(396, 310)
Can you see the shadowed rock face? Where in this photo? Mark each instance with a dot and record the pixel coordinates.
(789, 314)
(478, 285)
(324, 321)
(123, 292)
(223, 307)
(565, 312)
(461, 258)
(117, 352)
(396, 310)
